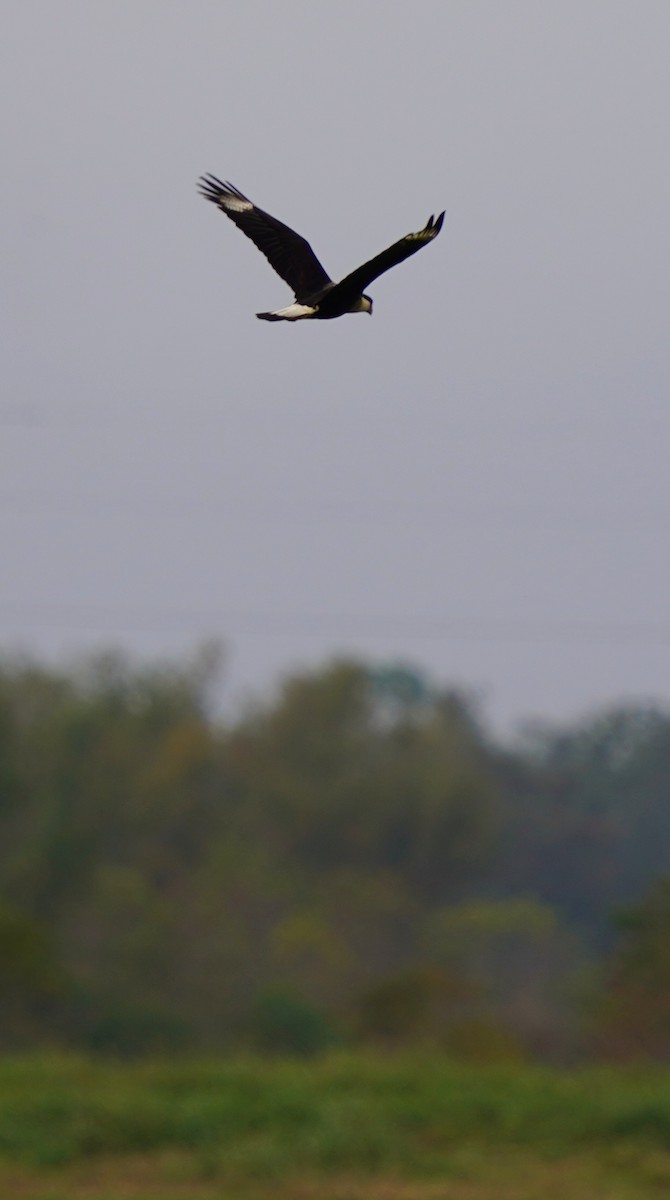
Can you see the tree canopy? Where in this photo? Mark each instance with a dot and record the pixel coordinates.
(354, 857)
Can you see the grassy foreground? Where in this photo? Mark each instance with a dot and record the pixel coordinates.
(348, 1127)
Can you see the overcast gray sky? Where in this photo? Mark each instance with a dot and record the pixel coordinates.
(475, 480)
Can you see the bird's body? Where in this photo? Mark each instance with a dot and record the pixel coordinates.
(316, 295)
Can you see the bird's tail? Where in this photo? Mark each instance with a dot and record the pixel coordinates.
(293, 312)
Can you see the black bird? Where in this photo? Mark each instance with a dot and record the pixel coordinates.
(316, 295)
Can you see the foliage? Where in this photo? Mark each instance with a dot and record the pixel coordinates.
(412, 1006)
(342, 1111)
(635, 1011)
(281, 1023)
(30, 979)
(358, 844)
(590, 822)
(520, 958)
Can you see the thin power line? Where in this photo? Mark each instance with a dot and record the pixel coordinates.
(267, 623)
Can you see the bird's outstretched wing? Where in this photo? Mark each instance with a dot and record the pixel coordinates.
(290, 254)
(359, 279)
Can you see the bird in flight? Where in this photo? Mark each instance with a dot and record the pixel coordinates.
(316, 295)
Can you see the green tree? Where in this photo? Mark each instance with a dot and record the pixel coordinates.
(633, 1018)
(327, 783)
(523, 962)
(588, 823)
(31, 981)
(417, 1005)
(283, 1023)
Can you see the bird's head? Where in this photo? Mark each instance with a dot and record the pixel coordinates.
(367, 304)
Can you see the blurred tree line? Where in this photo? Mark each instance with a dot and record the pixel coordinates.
(356, 860)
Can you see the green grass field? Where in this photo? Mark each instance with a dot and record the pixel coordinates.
(348, 1127)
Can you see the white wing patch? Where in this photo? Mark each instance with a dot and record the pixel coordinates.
(294, 312)
(235, 203)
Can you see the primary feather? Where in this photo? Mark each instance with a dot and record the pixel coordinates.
(290, 254)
